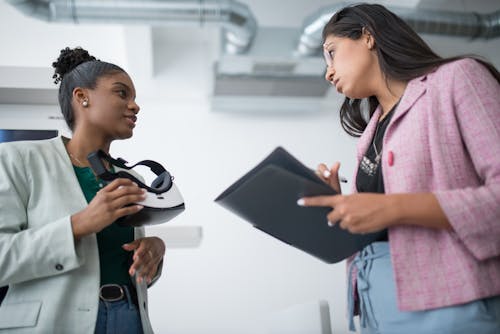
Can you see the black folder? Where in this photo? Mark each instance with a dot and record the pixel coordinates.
(267, 198)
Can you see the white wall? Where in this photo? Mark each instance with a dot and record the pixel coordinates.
(238, 276)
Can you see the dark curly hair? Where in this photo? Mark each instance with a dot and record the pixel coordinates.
(402, 54)
(77, 68)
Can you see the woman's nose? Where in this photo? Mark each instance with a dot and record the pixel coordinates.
(134, 106)
(330, 72)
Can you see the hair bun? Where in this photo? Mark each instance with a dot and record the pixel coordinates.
(68, 60)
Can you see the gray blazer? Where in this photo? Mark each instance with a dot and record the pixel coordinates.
(53, 280)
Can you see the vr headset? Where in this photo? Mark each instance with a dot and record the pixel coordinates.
(163, 200)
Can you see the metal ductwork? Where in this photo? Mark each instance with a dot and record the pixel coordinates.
(236, 19)
(276, 74)
(257, 69)
(269, 77)
(426, 21)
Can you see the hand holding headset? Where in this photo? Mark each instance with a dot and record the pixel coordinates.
(163, 200)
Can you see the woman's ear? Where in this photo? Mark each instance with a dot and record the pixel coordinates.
(80, 96)
(368, 38)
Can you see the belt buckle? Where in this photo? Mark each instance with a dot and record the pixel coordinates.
(115, 290)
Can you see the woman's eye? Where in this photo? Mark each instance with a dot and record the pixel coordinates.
(122, 93)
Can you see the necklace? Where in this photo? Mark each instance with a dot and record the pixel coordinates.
(81, 164)
(387, 117)
(374, 144)
(367, 165)
(76, 159)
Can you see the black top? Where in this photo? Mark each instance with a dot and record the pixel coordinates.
(369, 177)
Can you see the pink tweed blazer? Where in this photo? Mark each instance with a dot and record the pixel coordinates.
(444, 138)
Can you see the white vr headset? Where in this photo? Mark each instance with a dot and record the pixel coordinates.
(163, 199)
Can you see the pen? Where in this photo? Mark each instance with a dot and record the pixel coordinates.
(327, 174)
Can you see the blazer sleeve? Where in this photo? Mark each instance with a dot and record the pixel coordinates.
(474, 213)
(26, 252)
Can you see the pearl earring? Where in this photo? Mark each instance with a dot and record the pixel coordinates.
(85, 103)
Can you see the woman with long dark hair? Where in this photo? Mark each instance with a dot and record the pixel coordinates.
(428, 173)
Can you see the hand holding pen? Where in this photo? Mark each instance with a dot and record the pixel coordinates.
(331, 176)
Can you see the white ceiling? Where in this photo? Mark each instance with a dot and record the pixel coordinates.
(171, 62)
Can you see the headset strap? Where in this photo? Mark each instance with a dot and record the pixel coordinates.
(95, 160)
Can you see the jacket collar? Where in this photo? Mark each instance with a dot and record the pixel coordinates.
(414, 90)
(366, 137)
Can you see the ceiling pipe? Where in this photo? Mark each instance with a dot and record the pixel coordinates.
(426, 21)
(238, 23)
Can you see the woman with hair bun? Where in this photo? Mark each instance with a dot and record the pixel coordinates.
(427, 177)
(68, 267)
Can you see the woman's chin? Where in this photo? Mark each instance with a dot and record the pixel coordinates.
(354, 95)
(125, 135)
(346, 91)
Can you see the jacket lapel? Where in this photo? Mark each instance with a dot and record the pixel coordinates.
(75, 195)
(366, 137)
(415, 89)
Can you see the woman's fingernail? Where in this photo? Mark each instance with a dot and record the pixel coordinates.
(301, 202)
(326, 173)
(330, 224)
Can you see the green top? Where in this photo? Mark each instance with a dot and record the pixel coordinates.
(113, 259)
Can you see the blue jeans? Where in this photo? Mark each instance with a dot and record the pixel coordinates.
(380, 314)
(120, 317)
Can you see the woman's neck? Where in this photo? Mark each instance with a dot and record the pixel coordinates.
(80, 147)
(390, 95)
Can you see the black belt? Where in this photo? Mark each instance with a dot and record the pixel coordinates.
(115, 292)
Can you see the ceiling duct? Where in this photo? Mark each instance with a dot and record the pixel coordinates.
(258, 69)
(237, 21)
(426, 21)
(269, 77)
(276, 74)
(262, 76)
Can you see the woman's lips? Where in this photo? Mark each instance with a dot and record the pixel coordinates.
(131, 120)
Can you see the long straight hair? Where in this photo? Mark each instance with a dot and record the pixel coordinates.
(402, 54)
